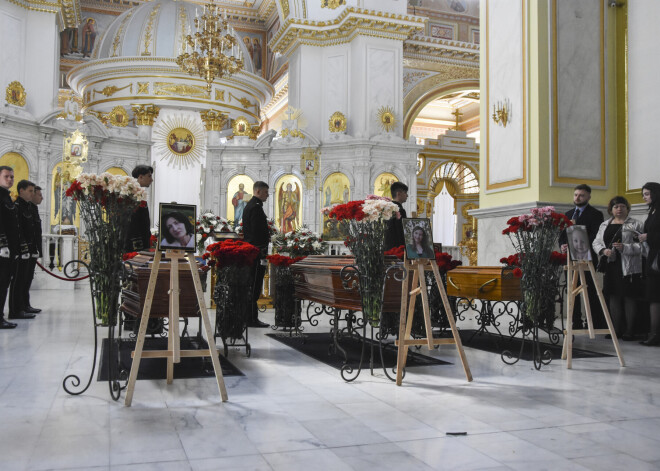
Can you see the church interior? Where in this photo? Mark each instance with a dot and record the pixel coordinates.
(329, 101)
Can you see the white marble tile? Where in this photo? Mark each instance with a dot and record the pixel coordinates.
(318, 460)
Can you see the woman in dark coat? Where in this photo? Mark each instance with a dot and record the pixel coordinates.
(651, 237)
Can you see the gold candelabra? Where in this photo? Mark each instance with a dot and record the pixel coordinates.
(213, 51)
(501, 113)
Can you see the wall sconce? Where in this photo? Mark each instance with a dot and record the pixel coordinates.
(501, 113)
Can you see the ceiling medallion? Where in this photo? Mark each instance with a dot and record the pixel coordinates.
(241, 126)
(337, 122)
(386, 118)
(178, 140)
(118, 117)
(15, 94)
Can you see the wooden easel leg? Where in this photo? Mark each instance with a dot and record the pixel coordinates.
(173, 340)
(570, 306)
(425, 305)
(139, 344)
(452, 322)
(411, 315)
(606, 313)
(400, 357)
(585, 300)
(571, 299)
(206, 323)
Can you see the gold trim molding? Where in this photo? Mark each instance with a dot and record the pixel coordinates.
(213, 120)
(145, 115)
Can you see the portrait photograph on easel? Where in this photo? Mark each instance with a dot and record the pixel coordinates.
(578, 243)
(177, 227)
(419, 238)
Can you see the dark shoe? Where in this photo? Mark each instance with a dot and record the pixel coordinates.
(6, 325)
(21, 315)
(258, 324)
(627, 337)
(608, 336)
(32, 310)
(652, 341)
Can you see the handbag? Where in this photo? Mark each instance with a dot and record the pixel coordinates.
(602, 264)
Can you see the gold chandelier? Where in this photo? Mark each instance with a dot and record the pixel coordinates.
(212, 52)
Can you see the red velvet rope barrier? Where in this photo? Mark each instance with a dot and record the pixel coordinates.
(60, 277)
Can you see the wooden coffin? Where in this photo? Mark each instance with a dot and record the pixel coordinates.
(316, 278)
(489, 283)
(135, 290)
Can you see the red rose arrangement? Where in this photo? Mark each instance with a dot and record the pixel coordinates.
(283, 260)
(230, 252)
(129, 255)
(350, 210)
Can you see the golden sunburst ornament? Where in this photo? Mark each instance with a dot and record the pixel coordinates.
(386, 118)
(179, 139)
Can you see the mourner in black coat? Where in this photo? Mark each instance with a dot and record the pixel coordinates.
(394, 231)
(255, 231)
(35, 247)
(9, 245)
(138, 234)
(583, 214)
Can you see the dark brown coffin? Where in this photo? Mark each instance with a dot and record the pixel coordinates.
(135, 291)
(489, 283)
(316, 278)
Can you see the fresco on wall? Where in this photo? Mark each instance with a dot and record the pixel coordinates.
(383, 183)
(254, 43)
(288, 208)
(239, 192)
(336, 190)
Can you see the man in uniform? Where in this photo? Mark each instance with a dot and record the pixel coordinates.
(8, 239)
(583, 214)
(255, 231)
(139, 227)
(19, 283)
(394, 231)
(36, 250)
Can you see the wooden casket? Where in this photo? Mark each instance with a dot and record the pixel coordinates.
(489, 283)
(135, 291)
(317, 279)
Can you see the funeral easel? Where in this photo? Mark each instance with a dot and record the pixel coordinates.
(408, 298)
(174, 352)
(574, 270)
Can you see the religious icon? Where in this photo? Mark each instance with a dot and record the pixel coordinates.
(76, 150)
(177, 226)
(88, 37)
(309, 165)
(289, 204)
(578, 243)
(419, 238)
(180, 141)
(239, 201)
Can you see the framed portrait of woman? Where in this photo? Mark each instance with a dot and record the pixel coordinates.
(419, 238)
(177, 227)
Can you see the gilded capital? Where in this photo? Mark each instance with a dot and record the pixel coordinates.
(213, 120)
(145, 115)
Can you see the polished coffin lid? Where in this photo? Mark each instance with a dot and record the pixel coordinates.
(489, 283)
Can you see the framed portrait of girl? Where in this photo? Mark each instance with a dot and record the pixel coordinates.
(419, 238)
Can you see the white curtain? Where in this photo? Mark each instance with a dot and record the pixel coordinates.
(444, 219)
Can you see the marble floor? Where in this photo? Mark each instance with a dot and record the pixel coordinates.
(291, 413)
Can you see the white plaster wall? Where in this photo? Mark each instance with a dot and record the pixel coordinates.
(505, 150)
(12, 52)
(305, 86)
(336, 83)
(579, 89)
(643, 97)
(41, 68)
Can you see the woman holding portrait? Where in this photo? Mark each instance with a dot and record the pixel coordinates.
(617, 239)
(651, 239)
(178, 231)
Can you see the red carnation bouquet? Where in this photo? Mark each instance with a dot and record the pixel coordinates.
(283, 260)
(231, 252)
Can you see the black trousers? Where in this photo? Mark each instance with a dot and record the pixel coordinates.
(19, 286)
(258, 273)
(7, 270)
(28, 280)
(597, 315)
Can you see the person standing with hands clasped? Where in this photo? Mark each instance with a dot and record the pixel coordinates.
(9, 245)
(255, 231)
(617, 240)
(583, 214)
(651, 240)
(394, 236)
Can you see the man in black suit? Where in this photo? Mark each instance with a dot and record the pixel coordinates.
(583, 214)
(394, 231)
(138, 234)
(9, 246)
(255, 231)
(35, 248)
(18, 287)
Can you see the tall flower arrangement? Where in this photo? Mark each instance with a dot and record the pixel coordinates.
(534, 237)
(363, 222)
(207, 224)
(299, 243)
(106, 203)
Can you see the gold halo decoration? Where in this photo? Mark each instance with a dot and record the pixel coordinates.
(15, 94)
(337, 122)
(179, 140)
(386, 118)
(118, 117)
(241, 126)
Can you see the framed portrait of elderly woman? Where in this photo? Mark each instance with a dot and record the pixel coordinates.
(176, 227)
(419, 238)
(578, 243)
